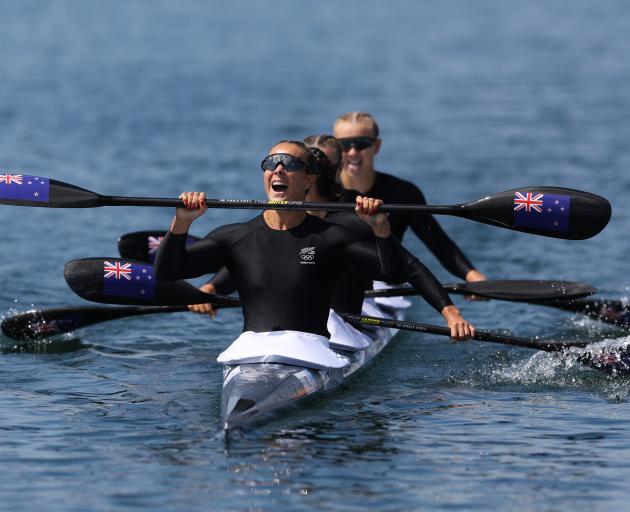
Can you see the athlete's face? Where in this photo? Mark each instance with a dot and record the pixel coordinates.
(283, 185)
(356, 162)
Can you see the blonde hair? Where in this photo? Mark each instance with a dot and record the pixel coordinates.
(360, 118)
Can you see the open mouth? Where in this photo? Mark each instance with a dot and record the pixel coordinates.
(353, 162)
(278, 186)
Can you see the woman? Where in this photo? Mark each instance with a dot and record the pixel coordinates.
(349, 291)
(284, 263)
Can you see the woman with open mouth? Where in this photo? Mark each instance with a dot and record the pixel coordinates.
(284, 263)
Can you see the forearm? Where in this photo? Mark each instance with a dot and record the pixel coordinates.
(441, 245)
(170, 256)
(392, 259)
(423, 280)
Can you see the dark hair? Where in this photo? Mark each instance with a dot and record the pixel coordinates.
(326, 183)
(325, 141)
(309, 160)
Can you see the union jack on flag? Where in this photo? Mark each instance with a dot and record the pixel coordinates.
(23, 187)
(528, 202)
(552, 211)
(154, 243)
(117, 270)
(11, 178)
(126, 279)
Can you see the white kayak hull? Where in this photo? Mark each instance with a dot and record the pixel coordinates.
(253, 391)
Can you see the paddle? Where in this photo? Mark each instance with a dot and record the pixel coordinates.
(142, 245)
(614, 312)
(608, 362)
(515, 290)
(34, 325)
(549, 211)
(547, 346)
(37, 325)
(110, 281)
(118, 281)
(92, 279)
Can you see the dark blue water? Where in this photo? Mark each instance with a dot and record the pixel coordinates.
(152, 98)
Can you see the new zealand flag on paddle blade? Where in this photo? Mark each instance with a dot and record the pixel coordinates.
(124, 279)
(24, 187)
(548, 212)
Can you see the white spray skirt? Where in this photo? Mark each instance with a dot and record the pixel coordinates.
(284, 347)
(344, 336)
(390, 302)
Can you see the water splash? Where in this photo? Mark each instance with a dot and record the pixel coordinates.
(601, 368)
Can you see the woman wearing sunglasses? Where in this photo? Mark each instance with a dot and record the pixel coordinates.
(348, 295)
(358, 134)
(284, 263)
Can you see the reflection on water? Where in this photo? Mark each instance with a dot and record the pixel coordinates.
(57, 345)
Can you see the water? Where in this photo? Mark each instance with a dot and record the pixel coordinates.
(151, 98)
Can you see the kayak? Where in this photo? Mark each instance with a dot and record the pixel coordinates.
(267, 377)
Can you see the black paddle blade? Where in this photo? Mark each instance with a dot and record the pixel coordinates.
(44, 323)
(519, 290)
(143, 245)
(118, 281)
(528, 290)
(37, 325)
(25, 190)
(614, 312)
(548, 211)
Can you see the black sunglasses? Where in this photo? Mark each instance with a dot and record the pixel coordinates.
(289, 162)
(358, 143)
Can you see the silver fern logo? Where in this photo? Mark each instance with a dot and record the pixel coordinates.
(307, 256)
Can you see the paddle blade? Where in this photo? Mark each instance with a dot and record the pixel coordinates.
(25, 190)
(527, 290)
(118, 281)
(611, 311)
(41, 324)
(535, 291)
(143, 245)
(37, 325)
(548, 211)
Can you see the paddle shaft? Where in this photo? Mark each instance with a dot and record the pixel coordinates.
(547, 346)
(614, 362)
(39, 324)
(248, 204)
(516, 291)
(408, 291)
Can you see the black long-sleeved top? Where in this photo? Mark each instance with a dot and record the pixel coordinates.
(395, 190)
(285, 278)
(348, 293)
